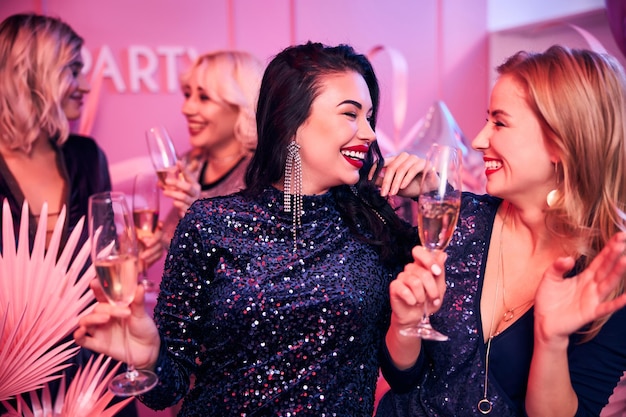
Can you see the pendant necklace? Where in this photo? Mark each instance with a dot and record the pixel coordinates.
(485, 405)
(509, 313)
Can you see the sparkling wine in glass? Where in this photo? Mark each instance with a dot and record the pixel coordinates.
(162, 153)
(114, 255)
(145, 214)
(438, 208)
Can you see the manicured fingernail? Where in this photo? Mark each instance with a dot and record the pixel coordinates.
(435, 269)
(436, 302)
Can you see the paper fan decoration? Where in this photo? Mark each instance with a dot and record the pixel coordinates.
(42, 297)
(87, 395)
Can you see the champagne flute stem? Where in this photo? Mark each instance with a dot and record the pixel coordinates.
(144, 268)
(425, 317)
(131, 373)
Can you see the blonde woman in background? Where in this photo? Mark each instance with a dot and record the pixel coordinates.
(41, 90)
(220, 91)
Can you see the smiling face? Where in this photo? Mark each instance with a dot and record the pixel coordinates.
(518, 164)
(211, 122)
(73, 99)
(335, 138)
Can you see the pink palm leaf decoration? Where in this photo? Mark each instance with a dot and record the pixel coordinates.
(87, 395)
(41, 299)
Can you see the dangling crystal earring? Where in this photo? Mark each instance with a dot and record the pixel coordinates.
(553, 194)
(293, 188)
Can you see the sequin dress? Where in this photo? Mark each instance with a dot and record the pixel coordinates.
(266, 331)
(448, 379)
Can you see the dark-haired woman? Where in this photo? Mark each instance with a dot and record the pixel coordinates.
(276, 298)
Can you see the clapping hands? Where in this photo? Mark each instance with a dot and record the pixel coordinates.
(564, 305)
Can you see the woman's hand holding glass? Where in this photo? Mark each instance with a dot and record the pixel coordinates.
(421, 284)
(114, 256)
(437, 213)
(178, 181)
(183, 189)
(102, 330)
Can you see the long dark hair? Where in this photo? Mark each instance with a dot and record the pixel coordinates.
(291, 82)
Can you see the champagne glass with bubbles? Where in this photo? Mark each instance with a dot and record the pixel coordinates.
(162, 152)
(438, 208)
(145, 214)
(114, 255)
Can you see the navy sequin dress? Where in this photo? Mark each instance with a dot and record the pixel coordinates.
(266, 331)
(448, 379)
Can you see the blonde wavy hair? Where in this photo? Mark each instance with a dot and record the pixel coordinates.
(35, 54)
(231, 77)
(579, 98)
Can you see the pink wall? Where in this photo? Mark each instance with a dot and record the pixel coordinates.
(444, 44)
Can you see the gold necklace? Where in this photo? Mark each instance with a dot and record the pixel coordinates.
(485, 405)
(509, 312)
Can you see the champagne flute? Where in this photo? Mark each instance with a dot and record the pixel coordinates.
(162, 152)
(145, 215)
(438, 209)
(114, 255)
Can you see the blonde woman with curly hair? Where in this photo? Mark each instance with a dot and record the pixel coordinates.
(220, 93)
(41, 90)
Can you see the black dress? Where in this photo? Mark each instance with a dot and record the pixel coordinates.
(448, 379)
(84, 168)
